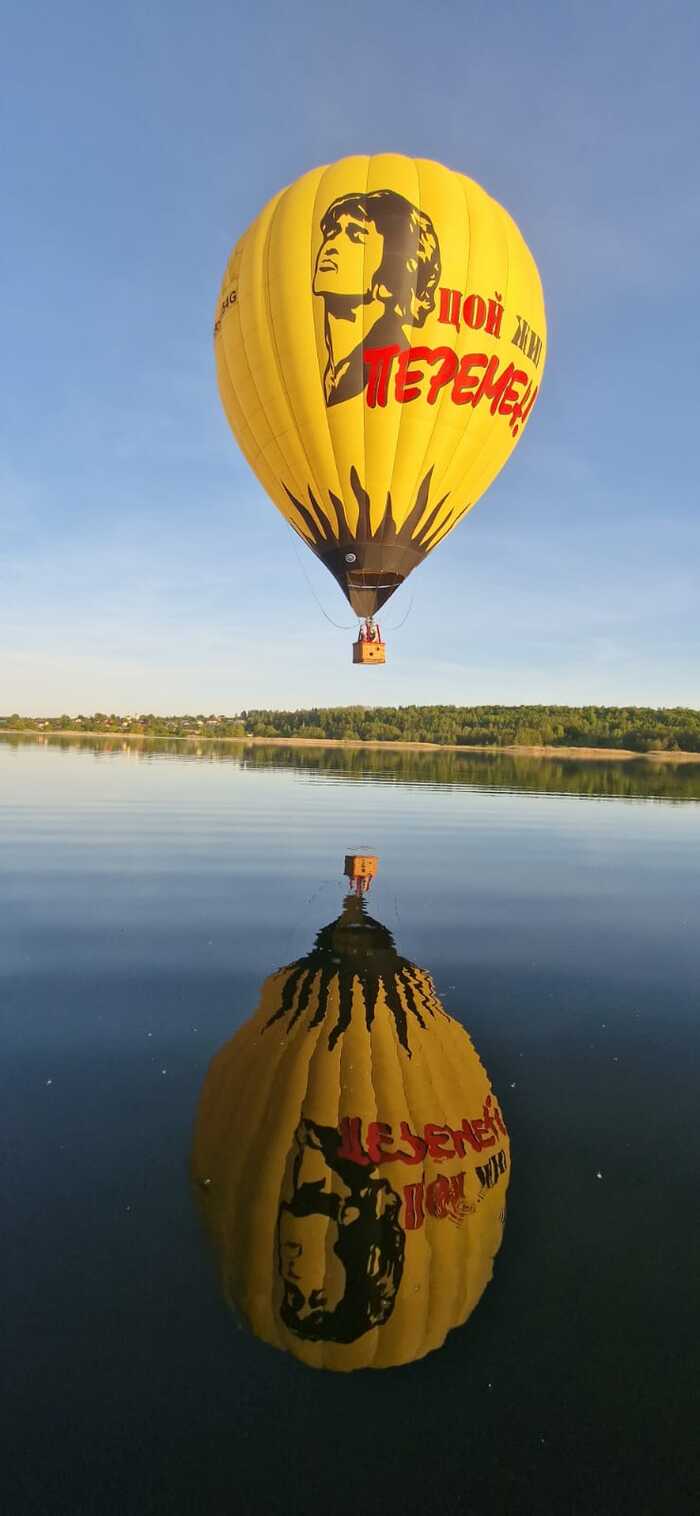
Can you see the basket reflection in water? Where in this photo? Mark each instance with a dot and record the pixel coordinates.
(350, 1158)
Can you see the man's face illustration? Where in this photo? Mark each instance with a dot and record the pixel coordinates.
(349, 259)
(313, 1273)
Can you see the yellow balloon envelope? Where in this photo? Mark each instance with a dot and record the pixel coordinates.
(351, 1159)
(380, 340)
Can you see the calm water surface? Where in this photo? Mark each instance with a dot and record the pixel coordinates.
(145, 895)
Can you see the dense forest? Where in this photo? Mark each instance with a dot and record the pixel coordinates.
(639, 728)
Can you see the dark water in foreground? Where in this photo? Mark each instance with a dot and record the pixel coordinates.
(145, 895)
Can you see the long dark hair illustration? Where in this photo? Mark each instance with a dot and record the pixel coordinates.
(379, 261)
(367, 1242)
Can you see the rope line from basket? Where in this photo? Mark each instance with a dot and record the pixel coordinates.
(341, 628)
(348, 626)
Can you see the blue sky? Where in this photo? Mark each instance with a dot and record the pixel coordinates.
(143, 568)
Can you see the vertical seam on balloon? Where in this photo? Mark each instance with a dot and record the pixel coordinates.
(244, 348)
(402, 412)
(437, 1099)
(445, 397)
(445, 527)
(463, 182)
(234, 391)
(454, 1082)
(259, 451)
(409, 1110)
(256, 391)
(461, 1283)
(341, 485)
(398, 1050)
(312, 481)
(322, 1034)
(509, 227)
(363, 399)
(261, 1112)
(487, 439)
(314, 215)
(370, 1034)
(341, 1061)
(465, 186)
(305, 1033)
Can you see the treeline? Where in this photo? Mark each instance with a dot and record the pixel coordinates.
(638, 728)
(641, 729)
(130, 726)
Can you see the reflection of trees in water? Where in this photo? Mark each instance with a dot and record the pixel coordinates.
(626, 778)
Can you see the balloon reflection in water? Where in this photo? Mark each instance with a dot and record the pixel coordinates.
(350, 1157)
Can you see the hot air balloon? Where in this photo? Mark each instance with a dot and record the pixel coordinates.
(350, 1158)
(380, 339)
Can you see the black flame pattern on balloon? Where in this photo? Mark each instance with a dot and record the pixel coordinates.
(327, 534)
(355, 947)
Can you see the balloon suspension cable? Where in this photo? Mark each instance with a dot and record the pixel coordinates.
(404, 619)
(345, 626)
(341, 628)
(302, 918)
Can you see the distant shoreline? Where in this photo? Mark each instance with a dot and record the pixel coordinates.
(610, 754)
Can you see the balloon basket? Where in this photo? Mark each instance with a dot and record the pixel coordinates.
(360, 869)
(369, 652)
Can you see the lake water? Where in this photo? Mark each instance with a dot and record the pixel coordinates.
(146, 893)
